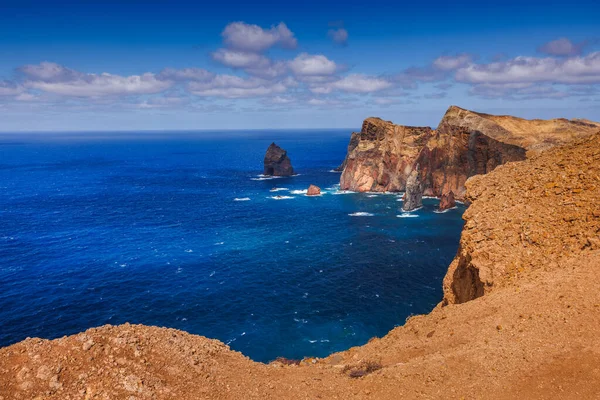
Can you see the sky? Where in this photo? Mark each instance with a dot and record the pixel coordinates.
(182, 65)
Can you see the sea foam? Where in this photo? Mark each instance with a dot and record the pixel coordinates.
(361, 214)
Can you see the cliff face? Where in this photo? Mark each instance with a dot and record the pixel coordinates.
(526, 274)
(526, 217)
(465, 143)
(381, 156)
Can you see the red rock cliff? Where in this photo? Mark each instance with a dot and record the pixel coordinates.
(382, 155)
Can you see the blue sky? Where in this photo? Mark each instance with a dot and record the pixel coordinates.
(138, 65)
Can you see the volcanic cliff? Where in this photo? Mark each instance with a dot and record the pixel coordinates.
(520, 318)
(382, 155)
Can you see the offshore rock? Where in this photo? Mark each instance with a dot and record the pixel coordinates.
(313, 190)
(413, 198)
(382, 155)
(447, 201)
(277, 162)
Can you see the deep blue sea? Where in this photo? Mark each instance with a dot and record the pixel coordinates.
(145, 228)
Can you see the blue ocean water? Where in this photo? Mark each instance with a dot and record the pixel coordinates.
(146, 228)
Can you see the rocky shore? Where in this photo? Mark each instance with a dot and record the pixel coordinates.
(520, 316)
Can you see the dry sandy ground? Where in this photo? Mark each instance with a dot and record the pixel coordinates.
(522, 318)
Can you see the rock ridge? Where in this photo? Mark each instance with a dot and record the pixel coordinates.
(382, 155)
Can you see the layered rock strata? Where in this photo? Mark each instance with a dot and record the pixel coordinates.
(382, 155)
(277, 162)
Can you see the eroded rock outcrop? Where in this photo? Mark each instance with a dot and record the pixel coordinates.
(313, 190)
(447, 201)
(277, 162)
(413, 197)
(382, 155)
(525, 217)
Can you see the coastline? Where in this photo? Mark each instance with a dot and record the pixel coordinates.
(526, 326)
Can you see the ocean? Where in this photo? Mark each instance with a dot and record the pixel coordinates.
(179, 229)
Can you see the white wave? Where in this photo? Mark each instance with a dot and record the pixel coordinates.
(189, 251)
(458, 202)
(281, 197)
(343, 192)
(373, 195)
(303, 191)
(265, 178)
(219, 243)
(241, 199)
(313, 341)
(213, 273)
(334, 171)
(430, 197)
(278, 189)
(334, 187)
(444, 211)
(407, 215)
(361, 214)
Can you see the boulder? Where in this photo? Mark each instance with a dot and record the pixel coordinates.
(447, 201)
(277, 162)
(313, 190)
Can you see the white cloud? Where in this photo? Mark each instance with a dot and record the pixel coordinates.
(354, 83)
(49, 72)
(339, 36)
(253, 38)
(271, 71)
(186, 74)
(231, 86)
(240, 59)
(57, 79)
(562, 47)
(449, 63)
(306, 65)
(97, 85)
(575, 70)
(10, 88)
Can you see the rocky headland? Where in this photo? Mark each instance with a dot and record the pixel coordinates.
(382, 156)
(277, 162)
(520, 315)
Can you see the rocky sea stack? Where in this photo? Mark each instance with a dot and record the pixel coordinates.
(313, 190)
(447, 201)
(413, 197)
(382, 155)
(277, 162)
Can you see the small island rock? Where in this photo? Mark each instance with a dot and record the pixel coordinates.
(447, 201)
(313, 190)
(276, 162)
(413, 197)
